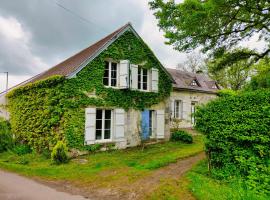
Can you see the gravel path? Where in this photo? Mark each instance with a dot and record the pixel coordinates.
(15, 187)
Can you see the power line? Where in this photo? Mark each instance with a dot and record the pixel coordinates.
(78, 16)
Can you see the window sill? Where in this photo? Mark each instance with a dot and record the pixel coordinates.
(103, 141)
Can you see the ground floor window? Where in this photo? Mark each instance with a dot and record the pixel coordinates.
(177, 109)
(193, 110)
(103, 124)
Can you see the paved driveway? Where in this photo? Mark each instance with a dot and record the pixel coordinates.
(15, 187)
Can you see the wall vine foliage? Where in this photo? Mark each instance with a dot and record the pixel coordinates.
(53, 109)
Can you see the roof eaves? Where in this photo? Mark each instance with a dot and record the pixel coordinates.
(194, 90)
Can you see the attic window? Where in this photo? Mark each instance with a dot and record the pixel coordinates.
(214, 86)
(194, 83)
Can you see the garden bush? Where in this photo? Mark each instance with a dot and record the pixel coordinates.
(237, 129)
(6, 141)
(59, 153)
(22, 149)
(181, 135)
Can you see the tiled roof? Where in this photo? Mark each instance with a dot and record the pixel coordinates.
(71, 64)
(184, 79)
(74, 63)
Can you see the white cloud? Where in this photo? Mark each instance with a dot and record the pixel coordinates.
(15, 52)
(154, 37)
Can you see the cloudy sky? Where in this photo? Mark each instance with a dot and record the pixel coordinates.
(37, 34)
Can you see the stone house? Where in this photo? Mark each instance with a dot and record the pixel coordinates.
(189, 90)
(116, 92)
(113, 92)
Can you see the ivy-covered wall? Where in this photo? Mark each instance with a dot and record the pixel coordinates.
(52, 109)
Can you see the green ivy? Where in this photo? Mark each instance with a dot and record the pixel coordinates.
(50, 110)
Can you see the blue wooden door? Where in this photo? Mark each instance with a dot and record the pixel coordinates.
(145, 124)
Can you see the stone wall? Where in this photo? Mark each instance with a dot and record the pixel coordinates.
(187, 97)
(133, 125)
(3, 111)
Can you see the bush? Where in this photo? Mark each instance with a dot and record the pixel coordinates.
(180, 135)
(6, 141)
(59, 153)
(237, 136)
(22, 149)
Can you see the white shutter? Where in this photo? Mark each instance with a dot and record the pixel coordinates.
(134, 77)
(124, 74)
(154, 79)
(90, 125)
(160, 124)
(119, 124)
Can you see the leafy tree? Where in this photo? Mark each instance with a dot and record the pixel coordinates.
(261, 79)
(195, 63)
(234, 76)
(216, 25)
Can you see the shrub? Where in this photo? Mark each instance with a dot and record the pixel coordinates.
(22, 149)
(59, 153)
(237, 136)
(6, 141)
(180, 135)
(93, 147)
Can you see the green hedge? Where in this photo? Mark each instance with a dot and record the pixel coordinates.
(6, 141)
(237, 129)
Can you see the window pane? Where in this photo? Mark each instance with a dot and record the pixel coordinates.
(114, 66)
(144, 86)
(145, 72)
(107, 114)
(108, 124)
(144, 78)
(107, 134)
(113, 74)
(98, 135)
(113, 82)
(106, 73)
(105, 81)
(99, 114)
(99, 124)
(139, 78)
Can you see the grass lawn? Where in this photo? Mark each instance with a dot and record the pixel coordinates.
(204, 187)
(103, 168)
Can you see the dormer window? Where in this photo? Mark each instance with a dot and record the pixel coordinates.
(214, 86)
(110, 74)
(194, 83)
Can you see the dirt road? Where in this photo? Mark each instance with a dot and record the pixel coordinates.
(15, 187)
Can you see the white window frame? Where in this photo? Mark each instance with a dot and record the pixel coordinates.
(102, 140)
(140, 69)
(178, 109)
(194, 83)
(193, 110)
(110, 75)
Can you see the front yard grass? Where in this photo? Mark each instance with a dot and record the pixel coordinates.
(103, 169)
(204, 187)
